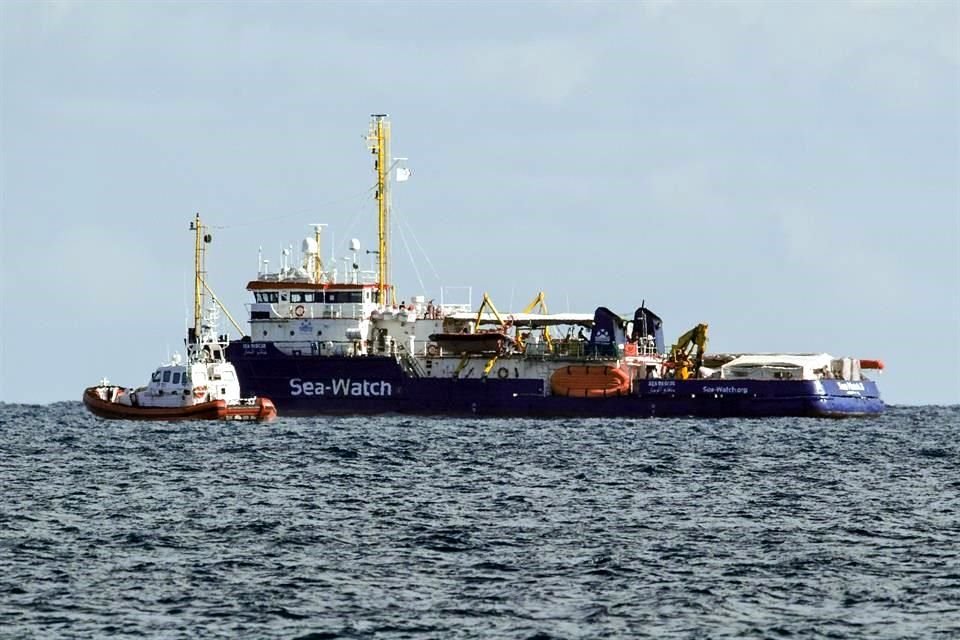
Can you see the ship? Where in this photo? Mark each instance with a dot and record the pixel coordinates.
(325, 340)
(205, 386)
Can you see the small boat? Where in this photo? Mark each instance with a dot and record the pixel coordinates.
(180, 391)
(205, 387)
(480, 342)
(94, 398)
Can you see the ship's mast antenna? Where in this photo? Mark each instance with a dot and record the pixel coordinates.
(379, 144)
(198, 250)
(318, 263)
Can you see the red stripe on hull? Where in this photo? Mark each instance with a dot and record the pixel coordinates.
(263, 409)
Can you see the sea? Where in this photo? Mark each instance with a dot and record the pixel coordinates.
(409, 527)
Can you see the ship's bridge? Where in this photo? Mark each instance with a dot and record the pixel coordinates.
(296, 300)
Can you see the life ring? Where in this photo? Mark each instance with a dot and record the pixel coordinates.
(433, 350)
(298, 310)
(199, 392)
(503, 373)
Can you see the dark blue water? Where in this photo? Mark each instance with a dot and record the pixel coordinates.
(432, 528)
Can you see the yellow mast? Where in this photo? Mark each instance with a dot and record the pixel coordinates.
(201, 239)
(198, 251)
(379, 144)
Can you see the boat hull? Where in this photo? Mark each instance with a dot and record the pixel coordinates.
(260, 409)
(310, 385)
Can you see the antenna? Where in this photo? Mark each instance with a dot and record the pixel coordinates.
(318, 265)
(354, 249)
(198, 255)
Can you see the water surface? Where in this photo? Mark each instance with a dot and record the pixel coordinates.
(400, 527)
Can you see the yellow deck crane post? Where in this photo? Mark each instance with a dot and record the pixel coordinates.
(486, 304)
(541, 301)
(692, 342)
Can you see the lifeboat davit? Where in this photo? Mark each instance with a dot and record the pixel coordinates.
(871, 364)
(585, 381)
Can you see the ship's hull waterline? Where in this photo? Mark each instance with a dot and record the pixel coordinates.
(309, 385)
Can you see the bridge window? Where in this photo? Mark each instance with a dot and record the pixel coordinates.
(176, 377)
(166, 376)
(301, 296)
(266, 296)
(344, 297)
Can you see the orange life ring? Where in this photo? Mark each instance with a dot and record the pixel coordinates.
(199, 392)
(298, 310)
(433, 350)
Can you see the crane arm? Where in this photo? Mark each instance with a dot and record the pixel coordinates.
(695, 339)
(541, 301)
(487, 303)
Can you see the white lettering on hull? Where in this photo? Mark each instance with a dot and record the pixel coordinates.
(852, 388)
(342, 387)
(726, 389)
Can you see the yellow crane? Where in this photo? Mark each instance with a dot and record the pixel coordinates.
(487, 304)
(693, 342)
(539, 301)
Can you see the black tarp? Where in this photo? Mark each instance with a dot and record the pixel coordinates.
(647, 323)
(607, 333)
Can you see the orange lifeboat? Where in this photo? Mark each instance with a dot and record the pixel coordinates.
(587, 381)
(871, 364)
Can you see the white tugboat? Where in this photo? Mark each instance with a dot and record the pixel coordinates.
(205, 387)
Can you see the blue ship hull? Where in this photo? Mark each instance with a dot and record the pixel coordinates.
(331, 385)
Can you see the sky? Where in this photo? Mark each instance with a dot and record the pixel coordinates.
(787, 172)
